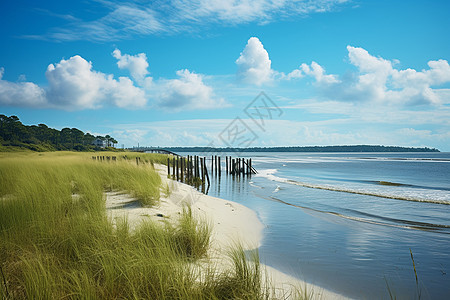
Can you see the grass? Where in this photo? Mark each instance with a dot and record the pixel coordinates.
(56, 241)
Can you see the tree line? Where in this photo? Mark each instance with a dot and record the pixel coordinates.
(344, 148)
(43, 138)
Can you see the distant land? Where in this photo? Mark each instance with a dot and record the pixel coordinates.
(16, 136)
(349, 148)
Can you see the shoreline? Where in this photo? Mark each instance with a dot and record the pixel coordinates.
(232, 224)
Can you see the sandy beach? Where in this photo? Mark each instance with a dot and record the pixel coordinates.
(231, 223)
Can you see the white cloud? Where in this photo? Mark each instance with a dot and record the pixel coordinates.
(297, 73)
(124, 19)
(316, 71)
(73, 85)
(136, 64)
(254, 63)
(188, 92)
(20, 93)
(378, 81)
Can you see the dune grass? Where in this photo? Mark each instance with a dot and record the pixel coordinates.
(56, 241)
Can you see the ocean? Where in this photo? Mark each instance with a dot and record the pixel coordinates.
(353, 223)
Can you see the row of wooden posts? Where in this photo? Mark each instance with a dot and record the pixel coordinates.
(114, 158)
(192, 169)
(238, 166)
(103, 158)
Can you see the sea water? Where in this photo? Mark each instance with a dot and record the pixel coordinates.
(353, 223)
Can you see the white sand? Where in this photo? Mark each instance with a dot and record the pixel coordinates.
(231, 223)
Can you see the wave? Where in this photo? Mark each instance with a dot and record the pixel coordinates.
(269, 174)
(373, 219)
(405, 159)
(390, 183)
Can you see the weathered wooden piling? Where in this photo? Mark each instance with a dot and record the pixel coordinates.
(197, 166)
(219, 166)
(216, 164)
(168, 166)
(202, 163)
(233, 166)
(207, 176)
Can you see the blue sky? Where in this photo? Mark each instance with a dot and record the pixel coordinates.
(191, 73)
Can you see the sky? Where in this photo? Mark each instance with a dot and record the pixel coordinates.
(231, 73)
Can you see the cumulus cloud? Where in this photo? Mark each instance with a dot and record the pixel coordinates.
(318, 72)
(254, 63)
(73, 85)
(378, 80)
(188, 92)
(20, 93)
(136, 64)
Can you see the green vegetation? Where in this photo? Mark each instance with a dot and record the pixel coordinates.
(56, 240)
(14, 135)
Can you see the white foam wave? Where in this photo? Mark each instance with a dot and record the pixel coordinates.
(405, 194)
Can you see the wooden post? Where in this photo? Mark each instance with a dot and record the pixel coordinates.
(226, 164)
(216, 166)
(207, 177)
(198, 167)
(248, 168)
(189, 162)
(250, 164)
(168, 166)
(239, 166)
(212, 163)
(232, 166)
(202, 163)
(137, 161)
(219, 165)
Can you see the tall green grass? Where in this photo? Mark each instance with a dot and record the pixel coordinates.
(56, 241)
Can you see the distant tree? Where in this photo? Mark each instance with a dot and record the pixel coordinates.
(77, 136)
(40, 137)
(88, 139)
(108, 140)
(114, 142)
